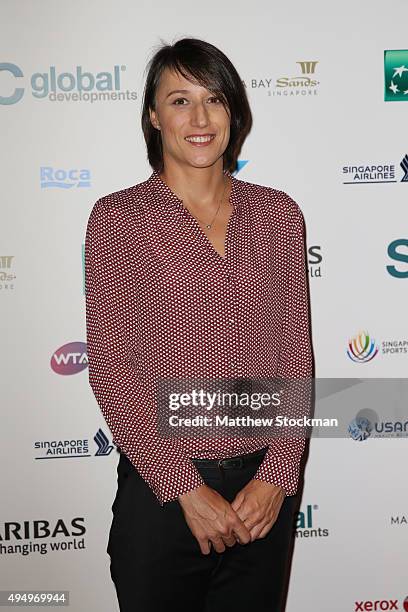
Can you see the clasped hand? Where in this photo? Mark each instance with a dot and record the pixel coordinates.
(214, 521)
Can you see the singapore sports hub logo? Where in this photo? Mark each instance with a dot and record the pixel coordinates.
(362, 348)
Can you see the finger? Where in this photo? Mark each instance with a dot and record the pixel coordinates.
(237, 501)
(218, 544)
(255, 531)
(229, 541)
(205, 546)
(266, 530)
(249, 522)
(242, 533)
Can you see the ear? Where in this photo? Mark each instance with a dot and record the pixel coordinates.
(154, 119)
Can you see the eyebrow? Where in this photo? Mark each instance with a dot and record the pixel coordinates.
(177, 91)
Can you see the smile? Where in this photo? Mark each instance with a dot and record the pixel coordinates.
(200, 140)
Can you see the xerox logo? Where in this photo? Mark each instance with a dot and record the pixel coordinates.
(381, 604)
(70, 358)
(64, 178)
(80, 85)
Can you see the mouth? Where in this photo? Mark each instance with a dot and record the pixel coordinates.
(200, 140)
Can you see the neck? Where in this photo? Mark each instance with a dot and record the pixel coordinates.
(201, 188)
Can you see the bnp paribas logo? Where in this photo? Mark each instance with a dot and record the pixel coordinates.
(396, 75)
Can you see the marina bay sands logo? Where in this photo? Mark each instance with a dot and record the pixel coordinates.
(303, 84)
(362, 348)
(396, 75)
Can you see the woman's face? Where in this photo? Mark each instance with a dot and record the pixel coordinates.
(194, 124)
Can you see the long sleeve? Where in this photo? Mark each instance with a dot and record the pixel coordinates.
(121, 395)
(295, 361)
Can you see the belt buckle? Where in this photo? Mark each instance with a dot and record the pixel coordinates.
(233, 462)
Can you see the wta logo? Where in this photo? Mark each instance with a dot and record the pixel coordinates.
(362, 348)
(70, 358)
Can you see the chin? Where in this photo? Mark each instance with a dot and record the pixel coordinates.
(203, 162)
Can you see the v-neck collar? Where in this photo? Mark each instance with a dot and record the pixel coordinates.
(165, 197)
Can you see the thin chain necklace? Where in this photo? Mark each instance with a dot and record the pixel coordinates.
(209, 225)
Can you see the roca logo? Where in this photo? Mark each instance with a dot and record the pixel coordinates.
(62, 86)
(70, 358)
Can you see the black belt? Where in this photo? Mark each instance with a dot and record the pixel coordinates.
(237, 462)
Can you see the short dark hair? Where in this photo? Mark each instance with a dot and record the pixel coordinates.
(199, 60)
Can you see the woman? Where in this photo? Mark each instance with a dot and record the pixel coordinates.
(194, 273)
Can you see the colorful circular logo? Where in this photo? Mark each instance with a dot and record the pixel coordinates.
(362, 348)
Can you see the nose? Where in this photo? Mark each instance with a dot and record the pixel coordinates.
(199, 115)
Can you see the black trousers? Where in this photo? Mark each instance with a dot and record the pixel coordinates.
(157, 564)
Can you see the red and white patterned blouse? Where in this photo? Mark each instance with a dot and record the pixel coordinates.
(161, 302)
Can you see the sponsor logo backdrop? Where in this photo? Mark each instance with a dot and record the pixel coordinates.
(328, 86)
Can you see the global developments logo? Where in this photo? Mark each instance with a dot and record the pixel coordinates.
(299, 85)
(396, 75)
(64, 178)
(306, 525)
(362, 348)
(80, 85)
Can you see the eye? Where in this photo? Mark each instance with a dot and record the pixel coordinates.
(177, 100)
(215, 99)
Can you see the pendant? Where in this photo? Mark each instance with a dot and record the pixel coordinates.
(208, 226)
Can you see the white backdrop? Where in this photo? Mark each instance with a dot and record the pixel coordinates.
(62, 150)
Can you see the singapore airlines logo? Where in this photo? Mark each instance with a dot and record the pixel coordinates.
(102, 442)
(404, 166)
